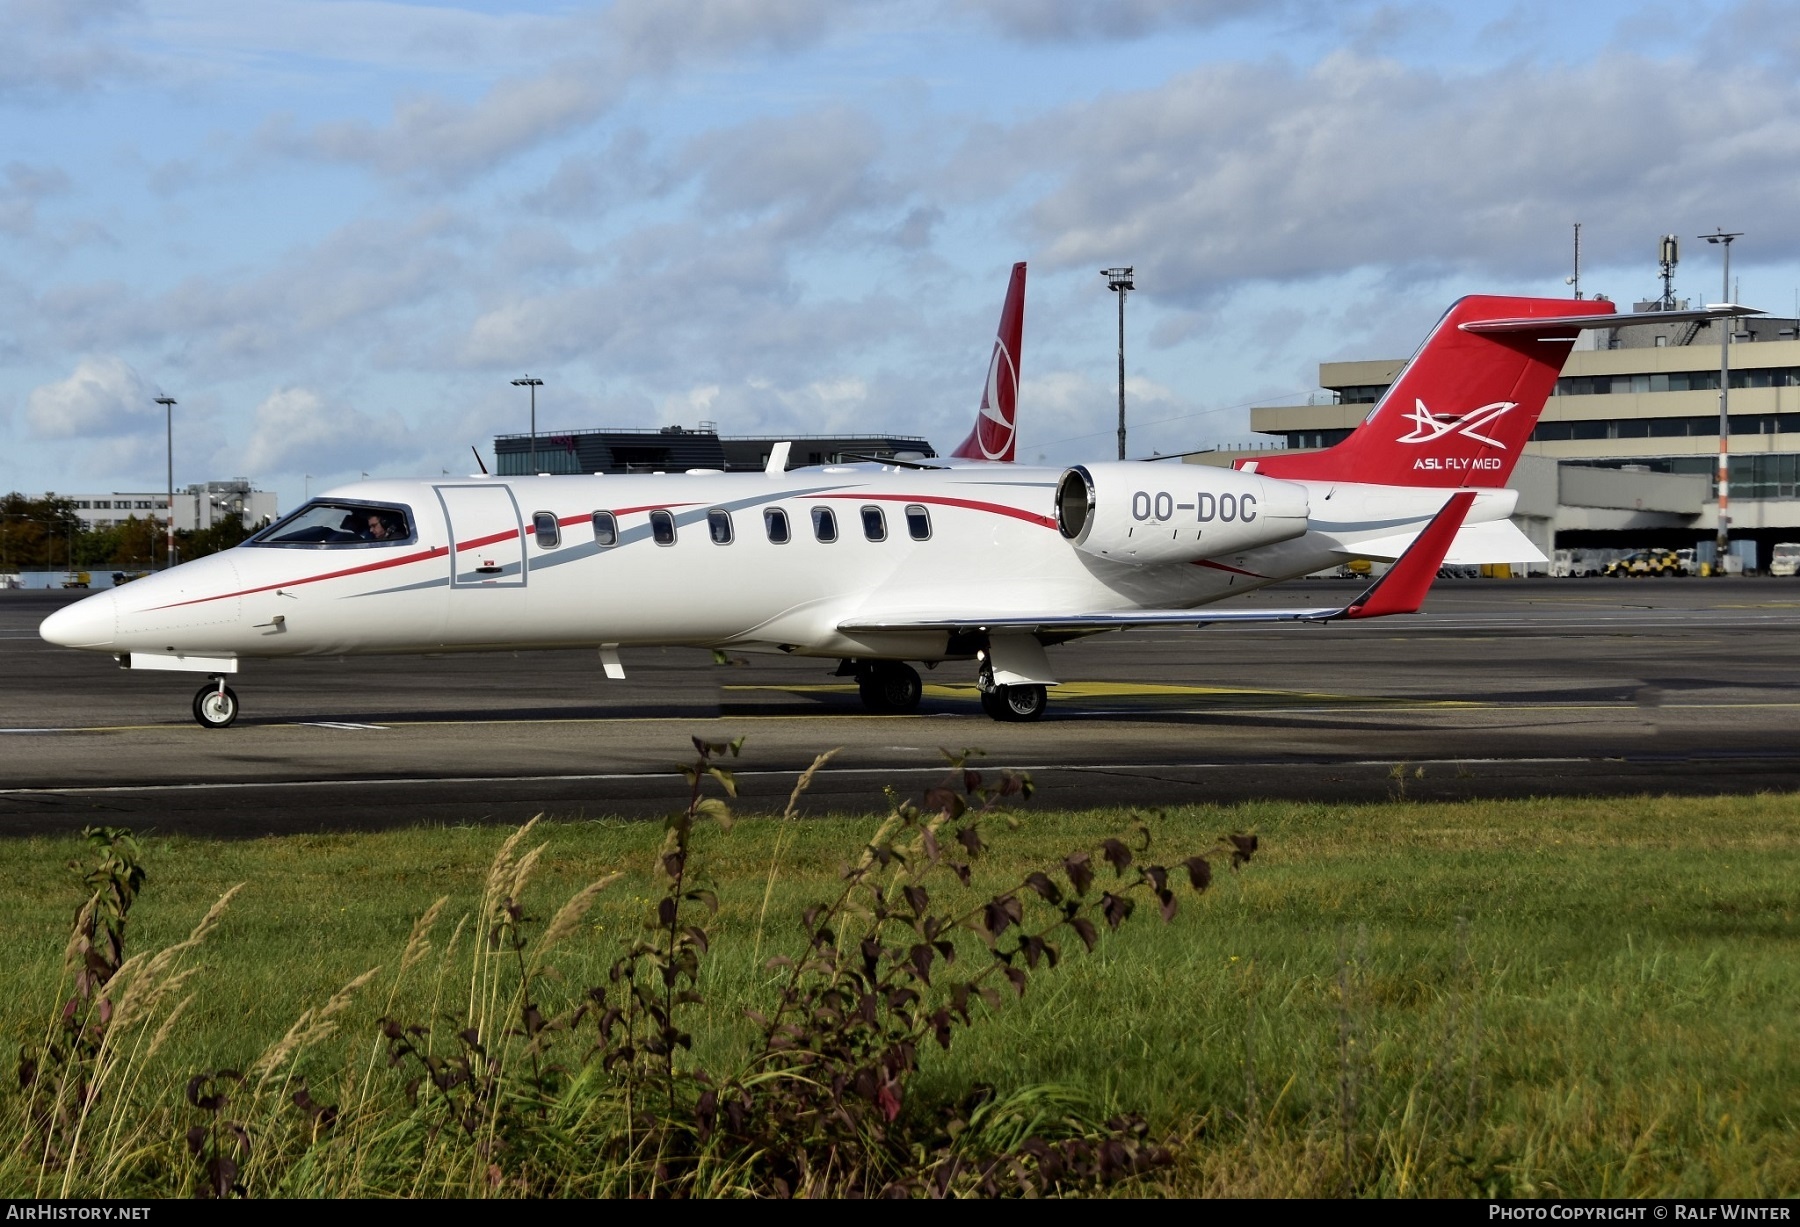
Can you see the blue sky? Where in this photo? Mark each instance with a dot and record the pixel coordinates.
(335, 230)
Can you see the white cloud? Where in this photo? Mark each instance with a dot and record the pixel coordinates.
(60, 46)
(658, 35)
(24, 187)
(807, 171)
(435, 139)
(103, 397)
(296, 429)
(1070, 20)
(1237, 172)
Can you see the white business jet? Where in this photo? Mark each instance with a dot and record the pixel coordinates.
(878, 565)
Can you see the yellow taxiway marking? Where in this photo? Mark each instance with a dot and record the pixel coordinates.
(1120, 690)
(1399, 702)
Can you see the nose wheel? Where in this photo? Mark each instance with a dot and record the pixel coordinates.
(216, 706)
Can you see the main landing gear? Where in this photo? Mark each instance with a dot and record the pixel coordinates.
(216, 706)
(1015, 704)
(888, 686)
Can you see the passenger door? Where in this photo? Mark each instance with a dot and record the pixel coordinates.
(487, 565)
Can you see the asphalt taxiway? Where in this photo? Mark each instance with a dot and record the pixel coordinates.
(1501, 688)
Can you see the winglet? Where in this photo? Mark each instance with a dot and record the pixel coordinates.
(778, 458)
(997, 421)
(1402, 589)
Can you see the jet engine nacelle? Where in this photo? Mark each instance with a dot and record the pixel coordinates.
(1156, 513)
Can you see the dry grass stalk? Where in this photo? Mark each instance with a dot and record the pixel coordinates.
(418, 944)
(168, 1026)
(806, 779)
(148, 981)
(569, 916)
(522, 871)
(501, 870)
(312, 1027)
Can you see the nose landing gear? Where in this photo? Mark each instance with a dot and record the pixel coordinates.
(216, 705)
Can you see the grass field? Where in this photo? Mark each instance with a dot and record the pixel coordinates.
(1554, 997)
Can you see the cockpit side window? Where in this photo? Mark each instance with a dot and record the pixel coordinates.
(330, 524)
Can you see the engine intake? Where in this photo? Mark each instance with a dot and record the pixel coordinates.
(1154, 513)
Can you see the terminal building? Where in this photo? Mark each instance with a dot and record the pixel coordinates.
(676, 449)
(197, 506)
(1626, 453)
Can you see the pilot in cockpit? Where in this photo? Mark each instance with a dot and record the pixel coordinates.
(373, 526)
(382, 526)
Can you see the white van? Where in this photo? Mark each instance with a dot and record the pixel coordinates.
(1786, 559)
(1575, 564)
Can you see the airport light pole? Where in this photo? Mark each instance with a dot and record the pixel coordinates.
(168, 404)
(1118, 280)
(1721, 238)
(534, 385)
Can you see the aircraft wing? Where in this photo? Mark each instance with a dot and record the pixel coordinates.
(1401, 589)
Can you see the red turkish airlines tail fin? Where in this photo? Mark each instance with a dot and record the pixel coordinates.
(1464, 407)
(996, 424)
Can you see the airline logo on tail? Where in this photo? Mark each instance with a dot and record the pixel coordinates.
(1428, 427)
(996, 423)
(994, 428)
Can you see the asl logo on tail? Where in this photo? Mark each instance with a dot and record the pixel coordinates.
(1428, 427)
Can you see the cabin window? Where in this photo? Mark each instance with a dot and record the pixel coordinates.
(334, 525)
(606, 529)
(718, 525)
(918, 522)
(549, 532)
(824, 524)
(874, 524)
(662, 527)
(776, 522)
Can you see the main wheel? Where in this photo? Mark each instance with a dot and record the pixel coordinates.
(890, 687)
(1023, 703)
(1014, 704)
(215, 707)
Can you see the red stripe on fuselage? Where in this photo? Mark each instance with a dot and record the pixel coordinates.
(477, 542)
(436, 551)
(1030, 517)
(566, 521)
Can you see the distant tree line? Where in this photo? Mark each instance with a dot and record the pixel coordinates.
(45, 534)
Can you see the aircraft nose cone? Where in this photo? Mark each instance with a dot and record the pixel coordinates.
(89, 623)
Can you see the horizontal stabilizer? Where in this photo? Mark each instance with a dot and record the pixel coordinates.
(1476, 545)
(1623, 319)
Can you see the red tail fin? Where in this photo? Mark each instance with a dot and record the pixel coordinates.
(1464, 406)
(996, 425)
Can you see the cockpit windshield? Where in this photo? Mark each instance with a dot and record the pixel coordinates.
(325, 524)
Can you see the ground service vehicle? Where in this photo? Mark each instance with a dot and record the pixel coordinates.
(1786, 558)
(1643, 563)
(972, 558)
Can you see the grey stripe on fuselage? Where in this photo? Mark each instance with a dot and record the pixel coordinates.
(685, 518)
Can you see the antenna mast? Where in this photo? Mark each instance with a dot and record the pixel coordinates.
(1668, 255)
